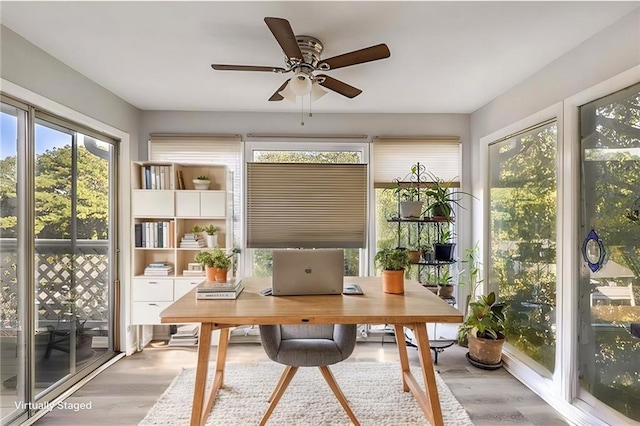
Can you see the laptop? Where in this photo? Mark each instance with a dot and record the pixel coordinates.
(307, 272)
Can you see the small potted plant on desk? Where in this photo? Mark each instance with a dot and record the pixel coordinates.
(393, 263)
(205, 258)
(485, 328)
(222, 263)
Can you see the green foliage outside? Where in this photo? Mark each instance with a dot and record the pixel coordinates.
(53, 196)
(523, 204)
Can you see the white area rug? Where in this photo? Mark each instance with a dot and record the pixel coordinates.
(374, 391)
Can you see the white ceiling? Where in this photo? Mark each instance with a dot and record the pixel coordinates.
(446, 57)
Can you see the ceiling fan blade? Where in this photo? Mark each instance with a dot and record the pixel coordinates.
(282, 31)
(339, 87)
(373, 53)
(276, 95)
(221, 67)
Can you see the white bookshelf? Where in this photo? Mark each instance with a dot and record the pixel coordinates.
(166, 212)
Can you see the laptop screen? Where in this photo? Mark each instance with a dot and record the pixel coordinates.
(307, 272)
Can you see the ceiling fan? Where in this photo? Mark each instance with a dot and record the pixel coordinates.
(302, 57)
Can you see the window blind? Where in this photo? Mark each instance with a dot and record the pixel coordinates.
(306, 205)
(393, 157)
(196, 149)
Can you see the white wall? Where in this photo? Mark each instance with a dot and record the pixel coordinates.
(30, 74)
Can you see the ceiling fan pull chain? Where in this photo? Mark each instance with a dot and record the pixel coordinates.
(310, 113)
(302, 112)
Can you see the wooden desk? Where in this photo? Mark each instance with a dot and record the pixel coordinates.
(413, 309)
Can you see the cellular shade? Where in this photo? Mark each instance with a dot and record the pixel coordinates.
(393, 157)
(306, 205)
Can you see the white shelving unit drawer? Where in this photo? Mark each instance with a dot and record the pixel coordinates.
(213, 203)
(152, 290)
(187, 203)
(148, 312)
(153, 203)
(183, 286)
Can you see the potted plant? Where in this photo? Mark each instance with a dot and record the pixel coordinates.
(206, 259)
(201, 182)
(427, 254)
(210, 232)
(445, 284)
(485, 326)
(222, 263)
(393, 263)
(469, 275)
(414, 255)
(443, 248)
(442, 198)
(407, 190)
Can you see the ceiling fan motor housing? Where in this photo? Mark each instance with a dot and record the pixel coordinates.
(311, 49)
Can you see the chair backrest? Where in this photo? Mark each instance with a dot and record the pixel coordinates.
(324, 331)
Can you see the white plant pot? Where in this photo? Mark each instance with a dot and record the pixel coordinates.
(410, 209)
(201, 185)
(212, 240)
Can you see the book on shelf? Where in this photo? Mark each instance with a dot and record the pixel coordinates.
(159, 269)
(180, 180)
(208, 292)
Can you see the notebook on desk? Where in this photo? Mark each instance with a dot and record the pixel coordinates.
(307, 272)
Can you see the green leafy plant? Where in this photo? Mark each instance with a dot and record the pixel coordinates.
(220, 259)
(396, 259)
(206, 259)
(211, 229)
(202, 177)
(444, 278)
(407, 188)
(442, 197)
(446, 236)
(196, 228)
(486, 318)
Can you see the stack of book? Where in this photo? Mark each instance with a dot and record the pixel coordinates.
(192, 240)
(187, 335)
(215, 290)
(192, 273)
(159, 268)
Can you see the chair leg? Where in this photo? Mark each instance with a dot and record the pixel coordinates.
(328, 376)
(284, 381)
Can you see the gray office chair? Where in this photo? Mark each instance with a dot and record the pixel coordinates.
(308, 346)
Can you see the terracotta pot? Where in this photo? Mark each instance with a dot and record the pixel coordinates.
(414, 256)
(485, 351)
(221, 275)
(445, 291)
(211, 273)
(393, 282)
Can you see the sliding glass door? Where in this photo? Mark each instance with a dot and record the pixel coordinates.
(609, 290)
(57, 205)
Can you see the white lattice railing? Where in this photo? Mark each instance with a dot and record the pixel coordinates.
(67, 284)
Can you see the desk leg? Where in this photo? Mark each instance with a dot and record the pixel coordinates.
(432, 408)
(402, 352)
(218, 378)
(204, 346)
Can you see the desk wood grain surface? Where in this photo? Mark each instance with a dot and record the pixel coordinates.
(416, 305)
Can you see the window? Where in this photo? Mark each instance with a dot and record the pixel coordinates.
(522, 242)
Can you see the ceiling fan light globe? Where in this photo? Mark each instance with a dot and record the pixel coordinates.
(300, 84)
(288, 94)
(317, 92)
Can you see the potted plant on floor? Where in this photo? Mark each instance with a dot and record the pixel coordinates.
(393, 263)
(471, 275)
(485, 327)
(201, 183)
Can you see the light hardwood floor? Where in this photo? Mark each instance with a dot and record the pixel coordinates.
(123, 393)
